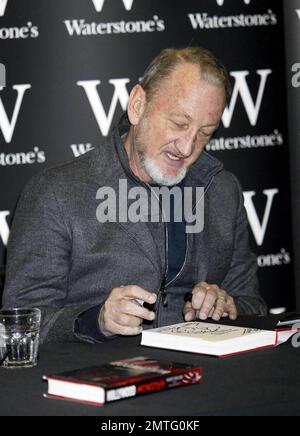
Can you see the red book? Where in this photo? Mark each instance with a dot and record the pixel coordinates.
(121, 379)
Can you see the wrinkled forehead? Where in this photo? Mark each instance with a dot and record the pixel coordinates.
(186, 92)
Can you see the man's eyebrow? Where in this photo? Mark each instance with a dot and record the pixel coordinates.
(181, 114)
(189, 118)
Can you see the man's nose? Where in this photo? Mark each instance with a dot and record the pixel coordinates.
(186, 144)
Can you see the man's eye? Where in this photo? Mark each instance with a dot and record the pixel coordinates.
(206, 134)
(180, 125)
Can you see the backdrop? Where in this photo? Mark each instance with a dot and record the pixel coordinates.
(71, 64)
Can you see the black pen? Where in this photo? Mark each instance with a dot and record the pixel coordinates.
(188, 297)
(146, 305)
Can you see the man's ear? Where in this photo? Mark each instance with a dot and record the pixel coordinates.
(136, 105)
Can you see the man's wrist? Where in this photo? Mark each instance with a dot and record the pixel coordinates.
(86, 326)
(101, 323)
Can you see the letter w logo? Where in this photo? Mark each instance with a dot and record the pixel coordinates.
(259, 229)
(4, 229)
(99, 4)
(241, 88)
(3, 4)
(120, 95)
(8, 127)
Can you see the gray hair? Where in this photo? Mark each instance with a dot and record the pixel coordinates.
(211, 69)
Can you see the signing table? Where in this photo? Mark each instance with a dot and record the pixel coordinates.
(265, 382)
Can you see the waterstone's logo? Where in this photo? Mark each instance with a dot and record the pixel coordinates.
(206, 21)
(79, 27)
(253, 104)
(82, 28)
(152, 204)
(8, 125)
(24, 32)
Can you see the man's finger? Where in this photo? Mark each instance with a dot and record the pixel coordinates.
(188, 312)
(231, 308)
(198, 297)
(207, 305)
(137, 293)
(130, 307)
(211, 313)
(127, 320)
(118, 329)
(220, 308)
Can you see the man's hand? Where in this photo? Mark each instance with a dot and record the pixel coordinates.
(122, 314)
(209, 301)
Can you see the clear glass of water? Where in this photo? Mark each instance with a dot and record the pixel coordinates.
(19, 337)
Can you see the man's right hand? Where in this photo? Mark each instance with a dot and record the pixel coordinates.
(122, 314)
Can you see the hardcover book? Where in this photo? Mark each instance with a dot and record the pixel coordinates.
(211, 339)
(121, 379)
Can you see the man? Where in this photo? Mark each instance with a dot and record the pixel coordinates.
(94, 279)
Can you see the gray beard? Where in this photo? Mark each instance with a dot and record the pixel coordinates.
(158, 176)
(149, 166)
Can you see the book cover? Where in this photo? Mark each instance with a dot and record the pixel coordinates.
(211, 339)
(121, 379)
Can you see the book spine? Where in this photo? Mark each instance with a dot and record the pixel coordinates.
(156, 384)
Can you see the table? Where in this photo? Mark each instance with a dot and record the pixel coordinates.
(265, 382)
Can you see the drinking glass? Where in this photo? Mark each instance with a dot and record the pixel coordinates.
(19, 337)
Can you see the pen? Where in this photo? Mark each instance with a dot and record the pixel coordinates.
(143, 303)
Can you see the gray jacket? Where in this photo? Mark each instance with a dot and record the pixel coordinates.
(62, 260)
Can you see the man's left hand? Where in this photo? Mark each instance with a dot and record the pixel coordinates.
(209, 301)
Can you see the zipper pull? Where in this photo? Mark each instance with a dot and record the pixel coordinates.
(165, 302)
(164, 296)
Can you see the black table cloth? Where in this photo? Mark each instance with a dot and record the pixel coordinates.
(265, 382)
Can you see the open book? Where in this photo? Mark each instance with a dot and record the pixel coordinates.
(212, 339)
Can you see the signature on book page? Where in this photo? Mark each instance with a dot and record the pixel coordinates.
(199, 328)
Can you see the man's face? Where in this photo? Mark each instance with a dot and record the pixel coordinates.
(175, 126)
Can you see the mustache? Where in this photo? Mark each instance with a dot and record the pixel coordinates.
(177, 153)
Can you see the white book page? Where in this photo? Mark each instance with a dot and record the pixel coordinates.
(207, 332)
